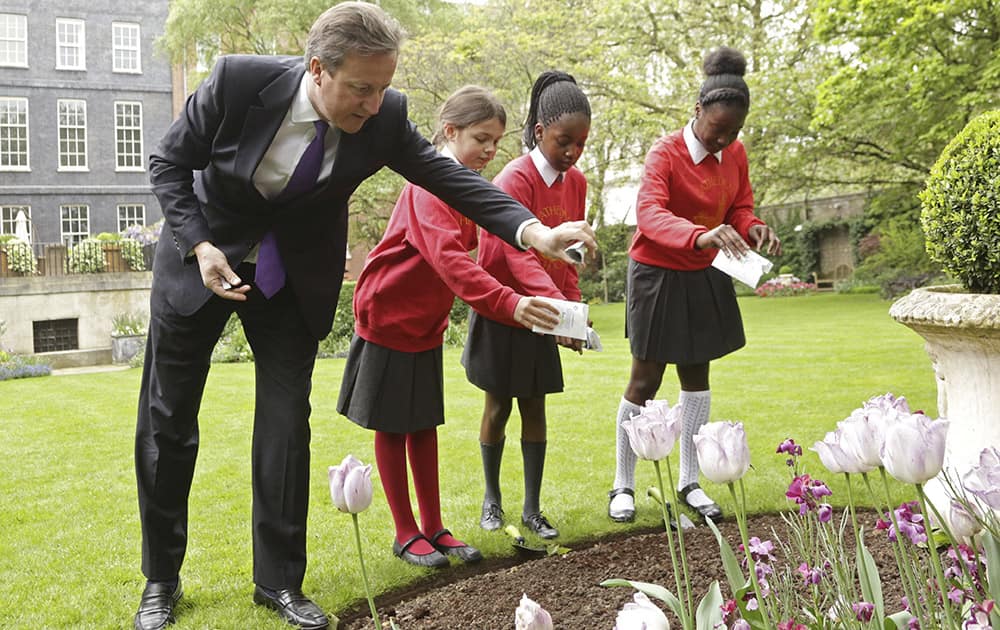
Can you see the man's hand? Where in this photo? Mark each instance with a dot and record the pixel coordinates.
(552, 242)
(217, 275)
(531, 312)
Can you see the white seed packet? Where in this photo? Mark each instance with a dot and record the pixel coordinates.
(593, 341)
(747, 269)
(572, 319)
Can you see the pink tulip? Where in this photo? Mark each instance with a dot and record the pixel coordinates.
(652, 433)
(862, 435)
(837, 456)
(351, 485)
(964, 523)
(984, 480)
(530, 616)
(723, 453)
(913, 451)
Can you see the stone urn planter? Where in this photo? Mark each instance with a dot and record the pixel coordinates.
(125, 347)
(962, 331)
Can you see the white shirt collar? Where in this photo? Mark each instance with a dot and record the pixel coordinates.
(694, 146)
(547, 171)
(446, 151)
(302, 110)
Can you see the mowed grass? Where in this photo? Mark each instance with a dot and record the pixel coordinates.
(69, 531)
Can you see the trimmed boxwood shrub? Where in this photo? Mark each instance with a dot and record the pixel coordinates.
(960, 211)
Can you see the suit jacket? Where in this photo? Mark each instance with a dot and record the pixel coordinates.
(202, 174)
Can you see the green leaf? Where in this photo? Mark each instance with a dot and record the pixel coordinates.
(651, 590)
(871, 583)
(734, 575)
(992, 548)
(897, 621)
(709, 613)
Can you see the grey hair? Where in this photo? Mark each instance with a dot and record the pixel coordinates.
(358, 28)
(467, 106)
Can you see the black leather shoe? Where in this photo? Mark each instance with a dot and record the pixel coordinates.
(292, 606)
(540, 525)
(156, 608)
(708, 511)
(492, 518)
(433, 559)
(621, 516)
(465, 553)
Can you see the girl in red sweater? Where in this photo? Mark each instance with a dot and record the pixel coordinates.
(510, 362)
(392, 380)
(694, 200)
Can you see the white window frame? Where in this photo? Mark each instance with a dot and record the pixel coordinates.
(79, 132)
(6, 133)
(79, 29)
(80, 224)
(137, 212)
(13, 40)
(121, 50)
(128, 161)
(8, 218)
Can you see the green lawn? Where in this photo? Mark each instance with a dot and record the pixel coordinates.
(69, 532)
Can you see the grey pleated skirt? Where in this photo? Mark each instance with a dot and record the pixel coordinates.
(681, 317)
(392, 391)
(511, 362)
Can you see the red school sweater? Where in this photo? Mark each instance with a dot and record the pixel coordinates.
(527, 272)
(679, 200)
(409, 281)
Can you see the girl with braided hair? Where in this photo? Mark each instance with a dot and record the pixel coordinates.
(510, 362)
(694, 200)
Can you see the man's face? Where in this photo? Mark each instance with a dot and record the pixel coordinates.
(353, 92)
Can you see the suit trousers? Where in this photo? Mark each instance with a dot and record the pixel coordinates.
(178, 356)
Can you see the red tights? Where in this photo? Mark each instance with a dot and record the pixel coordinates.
(391, 453)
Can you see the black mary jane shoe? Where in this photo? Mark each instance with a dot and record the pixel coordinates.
(292, 606)
(434, 559)
(465, 553)
(621, 516)
(156, 608)
(710, 511)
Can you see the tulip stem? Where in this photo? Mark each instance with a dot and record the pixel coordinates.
(741, 522)
(683, 612)
(364, 574)
(903, 560)
(935, 558)
(680, 540)
(858, 542)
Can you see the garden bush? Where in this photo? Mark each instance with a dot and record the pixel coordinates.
(960, 211)
(232, 346)
(339, 340)
(20, 257)
(21, 366)
(603, 278)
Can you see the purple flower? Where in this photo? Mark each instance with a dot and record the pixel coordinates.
(863, 611)
(910, 523)
(824, 512)
(741, 624)
(804, 491)
(810, 575)
(790, 447)
(979, 616)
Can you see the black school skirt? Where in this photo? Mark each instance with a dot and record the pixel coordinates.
(681, 317)
(511, 362)
(392, 391)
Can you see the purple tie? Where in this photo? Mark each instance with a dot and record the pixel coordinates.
(270, 274)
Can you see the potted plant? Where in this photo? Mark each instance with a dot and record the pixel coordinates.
(960, 216)
(128, 336)
(17, 256)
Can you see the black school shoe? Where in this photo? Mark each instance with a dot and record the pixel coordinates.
(540, 525)
(465, 553)
(434, 559)
(710, 511)
(492, 518)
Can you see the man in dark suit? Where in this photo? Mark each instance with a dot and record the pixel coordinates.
(245, 235)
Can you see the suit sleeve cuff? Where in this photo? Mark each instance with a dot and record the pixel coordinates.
(520, 232)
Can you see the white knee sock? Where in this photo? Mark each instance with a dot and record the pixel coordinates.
(625, 457)
(696, 407)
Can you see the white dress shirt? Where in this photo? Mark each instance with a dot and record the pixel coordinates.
(694, 146)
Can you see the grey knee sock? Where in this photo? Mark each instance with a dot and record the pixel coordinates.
(492, 454)
(624, 455)
(534, 463)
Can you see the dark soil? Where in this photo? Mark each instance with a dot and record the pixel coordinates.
(484, 597)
